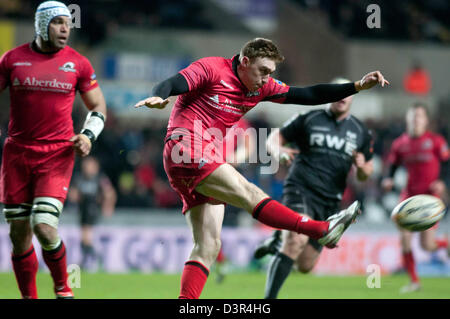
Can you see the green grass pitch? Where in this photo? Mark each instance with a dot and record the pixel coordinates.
(235, 286)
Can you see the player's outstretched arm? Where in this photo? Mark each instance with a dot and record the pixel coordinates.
(328, 93)
(175, 85)
(370, 80)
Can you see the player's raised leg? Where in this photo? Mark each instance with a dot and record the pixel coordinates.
(205, 222)
(226, 184)
(44, 221)
(23, 256)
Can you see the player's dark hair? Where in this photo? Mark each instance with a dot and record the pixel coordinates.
(261, 48)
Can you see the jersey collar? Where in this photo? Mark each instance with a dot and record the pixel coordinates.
(34, 48)
(234, 64)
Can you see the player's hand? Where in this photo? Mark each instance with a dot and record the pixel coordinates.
(154, 102)
(437, 188)
(387, 184)
(81, 144)
(359, 159)
(370, 80)
(287, 155)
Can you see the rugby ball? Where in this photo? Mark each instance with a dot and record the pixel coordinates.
(418, 213)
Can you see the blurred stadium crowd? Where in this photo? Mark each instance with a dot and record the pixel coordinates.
(414, 20)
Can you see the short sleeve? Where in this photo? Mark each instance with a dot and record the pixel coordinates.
(442, 149)
(199, 73)
(367, 146)
(87, 79)
(4, 71)
(275, 91)
(293, 128)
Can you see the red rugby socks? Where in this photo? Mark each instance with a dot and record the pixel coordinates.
(410, 266)
(25, 268)
(193, 280)
(56, 261)
(274, 214)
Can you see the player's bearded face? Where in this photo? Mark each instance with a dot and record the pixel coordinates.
(416, 121)
(59, 32)
(257, 72)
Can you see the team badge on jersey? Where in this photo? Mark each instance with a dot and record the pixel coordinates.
(93, 79)
(279, 82)
(68, 67)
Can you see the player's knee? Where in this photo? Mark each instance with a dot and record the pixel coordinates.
(44, 221)
(305, 267)
(292, 249)
(213, 247)
(252, 195)
(293, 245)
(44, 233)
(18, 217)
(427, 245)
(217, 244)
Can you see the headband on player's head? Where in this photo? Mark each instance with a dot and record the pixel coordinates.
(45, 13)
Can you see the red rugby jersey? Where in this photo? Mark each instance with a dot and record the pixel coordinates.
(42, 90)
(217, 97)
(421, 156)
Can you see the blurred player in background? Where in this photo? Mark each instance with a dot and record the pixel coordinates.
(327, 142)
(215, 93)
(38, 156)
(95, 196)
(421, 153)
